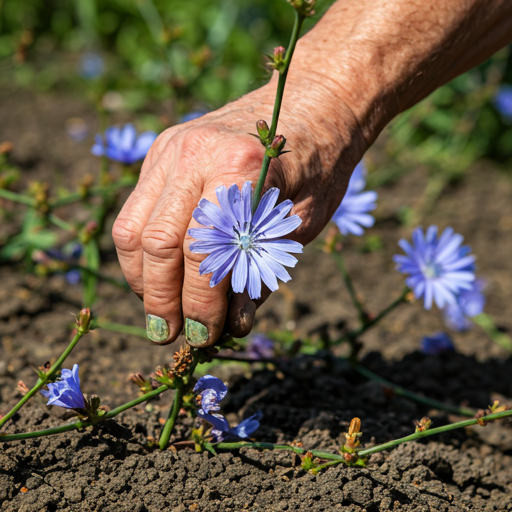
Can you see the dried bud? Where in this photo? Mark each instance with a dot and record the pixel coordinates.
(263, 131)
(355, 427)
(352, 436)
(83, 320)
(479, 416)
(138, 379)
(182, 361)
(22, 388)
(423, 424)
(496, 407)
(276, 147)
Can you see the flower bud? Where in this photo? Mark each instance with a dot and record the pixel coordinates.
(22, 388)
(278, 58)
(276, 147)
(355, 427)
(263, 131)
(303, 7)
(83, 320)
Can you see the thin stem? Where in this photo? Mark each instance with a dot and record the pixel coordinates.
(17, 198)
(122, 328)
(432, 432)
(182, 388)
(340, 261)
(42, 382)
(368, 451)
(101, 276)
(171, 420)
(283, 73)
(399, 390)
(83, 424)
(354, 334)
(60, 223)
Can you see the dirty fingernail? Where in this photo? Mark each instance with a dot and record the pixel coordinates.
(156, 328)
(196, 333)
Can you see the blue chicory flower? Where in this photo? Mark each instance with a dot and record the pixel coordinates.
(469, 303)
(439, 268)
(212, 390)
(437, 344)
(66, 391)
(249, 244)
(122, 144)
(91, 65)
(193, 115)
(503, 101)
(260, 347)
(352, 213)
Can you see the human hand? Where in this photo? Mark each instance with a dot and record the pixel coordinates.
(188, 162)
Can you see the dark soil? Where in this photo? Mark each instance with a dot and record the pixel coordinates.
(311, 400)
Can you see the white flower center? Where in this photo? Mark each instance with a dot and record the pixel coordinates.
(245, 242)
(432, 270)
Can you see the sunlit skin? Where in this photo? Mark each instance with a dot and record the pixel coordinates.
(363, 63)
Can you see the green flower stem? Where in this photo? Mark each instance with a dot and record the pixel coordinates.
(17, 198)
(399, 390)
(42, 382)
(431, 432)
(367, 451)
(177, 403)
(355, 334)
(171, 420)
(484, 321)
(77, 425)
(95, 191)
(122, 328)
(283, 73)
(60, 223)
(340, 261)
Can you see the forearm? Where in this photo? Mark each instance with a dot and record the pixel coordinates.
(381, 57)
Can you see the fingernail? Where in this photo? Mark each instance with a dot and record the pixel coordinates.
(156, 328)
(196, 333)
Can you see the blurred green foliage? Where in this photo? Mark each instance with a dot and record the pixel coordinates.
(202, 53)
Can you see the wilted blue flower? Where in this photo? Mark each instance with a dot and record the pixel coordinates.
(193, 115)
(352, 213)
(123, 145)
(250, 245)
(212, 390)
(503, 101)
(260, 347)
(66, 391)
(437, 344)
(439, 268)
(243, 430)
(469, 303)
(91, 65)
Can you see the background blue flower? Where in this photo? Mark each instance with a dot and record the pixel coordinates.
(249, 245)
(66, 391)
(439, 268)
(193, 115)
(352, 214)
(503, 101)
(437, 344)
(260, 347)
(123, 144)
(469, 303)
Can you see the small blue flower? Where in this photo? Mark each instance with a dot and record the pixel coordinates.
(91, 65)
(437, 344)
(243, 430)
(123, 145)
(212, 390)
(469, 303)
(353, 210)
(260, 347)
(73, 277)
(248, 244)
(439, 268)
(193, 115)
(503, 101)
(66, 391)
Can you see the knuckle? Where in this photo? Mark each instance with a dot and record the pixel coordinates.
(126, 234)
(161, 241)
